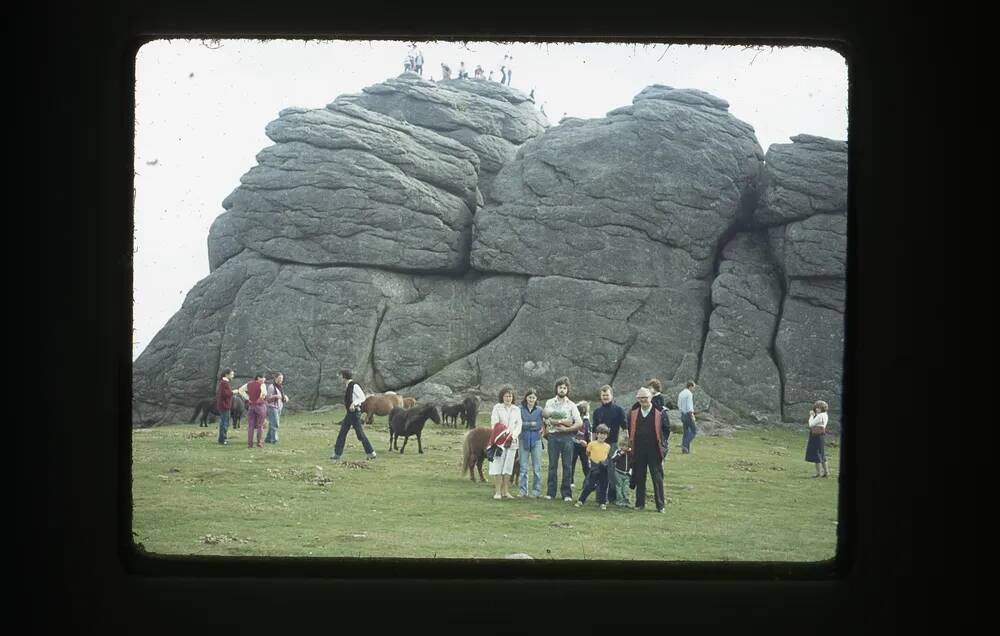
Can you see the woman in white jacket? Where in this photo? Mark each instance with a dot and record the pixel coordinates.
(502, 468)
(815, 451)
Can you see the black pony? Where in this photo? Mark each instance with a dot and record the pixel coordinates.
(406, 422)
(207, 410)
(453, 412)
(471, 409)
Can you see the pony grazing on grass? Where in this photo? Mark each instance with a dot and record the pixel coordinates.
(406, 422)
(453, 412)
(474, 453)
(207, 410)
(380, 404)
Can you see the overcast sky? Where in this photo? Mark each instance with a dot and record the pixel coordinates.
(201, 109)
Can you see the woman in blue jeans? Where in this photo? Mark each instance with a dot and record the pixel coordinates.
(531, 444)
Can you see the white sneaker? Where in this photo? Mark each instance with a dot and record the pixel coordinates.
(567, 499)
(578, 504)
(548, 496)
(372, 456)
(497, 496)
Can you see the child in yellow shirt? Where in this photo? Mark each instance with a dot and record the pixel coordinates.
(597, 478)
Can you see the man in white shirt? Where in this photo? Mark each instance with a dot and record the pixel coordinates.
(561, 439)
(353, 398)
(685, 404)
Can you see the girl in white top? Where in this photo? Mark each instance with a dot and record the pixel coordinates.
(815, 451)
(502, 467)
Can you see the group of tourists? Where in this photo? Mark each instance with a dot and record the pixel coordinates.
(265, 400)
(615, 449)
(414, 61)
(504, 75)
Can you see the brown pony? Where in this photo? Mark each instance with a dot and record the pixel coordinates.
(409, 402)
(380, 404)
(474, 454)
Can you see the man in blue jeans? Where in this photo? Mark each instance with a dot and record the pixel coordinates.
(562, 439)
(353, 397)
(685, 404)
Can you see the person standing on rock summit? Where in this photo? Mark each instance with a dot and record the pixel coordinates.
(353, 397)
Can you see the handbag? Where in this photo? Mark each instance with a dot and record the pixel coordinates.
(817, 430)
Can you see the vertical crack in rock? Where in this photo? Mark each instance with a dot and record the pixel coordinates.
(319, 379)
(377, 380)
(773, 348)
(633, 336)
(742, 222)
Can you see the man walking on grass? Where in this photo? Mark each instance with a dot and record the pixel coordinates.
(353, 397)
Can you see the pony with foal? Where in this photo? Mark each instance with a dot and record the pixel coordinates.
(406, 422)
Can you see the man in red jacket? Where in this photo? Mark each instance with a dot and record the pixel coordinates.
(224, 402)
(648, 428)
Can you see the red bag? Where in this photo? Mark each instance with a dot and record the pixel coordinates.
(817, 430)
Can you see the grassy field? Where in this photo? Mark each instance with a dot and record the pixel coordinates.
(750, 497)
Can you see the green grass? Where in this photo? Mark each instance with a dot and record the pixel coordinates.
(746, 498)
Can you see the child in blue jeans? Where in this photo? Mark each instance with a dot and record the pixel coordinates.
(597, 478)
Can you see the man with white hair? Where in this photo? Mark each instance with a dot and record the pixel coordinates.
(648, 429)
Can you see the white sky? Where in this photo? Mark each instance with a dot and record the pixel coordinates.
(201, 109)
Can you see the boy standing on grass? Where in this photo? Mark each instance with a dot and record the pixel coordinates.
(623, 472)
(597, 478)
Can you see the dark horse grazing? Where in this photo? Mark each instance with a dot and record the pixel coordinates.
(453, 412)
(474, 454)
(406, 422)
(207, 410)
(471, 409)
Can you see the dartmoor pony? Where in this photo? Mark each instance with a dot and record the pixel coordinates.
(406, 422)
(409, 402)
(380, 404)
(207, 410)
(474, 453)
(453, 412)
(471, 409)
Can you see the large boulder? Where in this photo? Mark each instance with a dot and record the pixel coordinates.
(489, 118)
(611, 251)
(805, 203)
(344, 186)
(640, 197)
